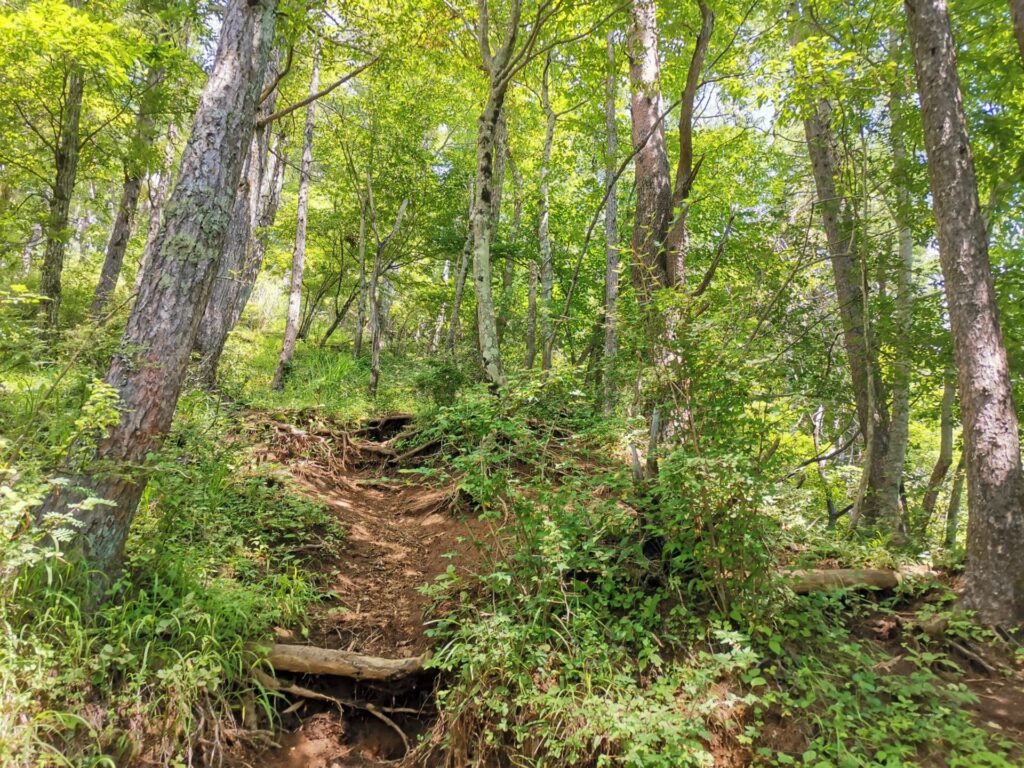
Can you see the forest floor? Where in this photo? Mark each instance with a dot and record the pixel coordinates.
(401, 534)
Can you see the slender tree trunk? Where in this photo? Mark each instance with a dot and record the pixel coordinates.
(652, 174)
(543, 233)
(817, 420)
(1017, 16)
(611, 230)
(953, 510)
(945, 460)
(376, 319)
(509, 271)
(66, 167)
(994, 577)
(339, 316)
(899, 430)
(357, 345)
(531, 316)
(134, 171)
(462, 274)
(149, 372)
(435, 339)
(879, 497)
(291, 328)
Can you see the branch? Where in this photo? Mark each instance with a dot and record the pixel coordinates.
(319, 94)
(714, 262)
(279, 76)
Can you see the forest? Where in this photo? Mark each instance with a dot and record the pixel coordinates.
(511, 383)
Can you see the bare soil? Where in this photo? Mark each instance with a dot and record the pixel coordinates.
(401, 533)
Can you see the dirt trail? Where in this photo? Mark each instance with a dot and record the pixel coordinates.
(401, 534)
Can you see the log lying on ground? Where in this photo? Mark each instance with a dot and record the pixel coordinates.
(821, 579)
(311, 660)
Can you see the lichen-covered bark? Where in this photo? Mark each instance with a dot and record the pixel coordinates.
(149, 368)
(994, 577)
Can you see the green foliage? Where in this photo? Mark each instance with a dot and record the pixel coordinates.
(217, 558)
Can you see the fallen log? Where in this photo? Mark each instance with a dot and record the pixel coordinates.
(822, 579)
(311, 660)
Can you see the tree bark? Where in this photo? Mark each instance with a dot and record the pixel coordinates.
(945, 460)
(531, 317)
(157, 198)
(134, 171)
(291, 328)
(994, 576)
(1017, 16)
(253, 211)
(879, 496)
(543, 226)
(653, 182)
(357, 344)
(611, 229)
(149, 370)
(378, 303)
(66, 170)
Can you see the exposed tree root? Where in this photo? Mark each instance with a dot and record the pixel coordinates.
(817, 580)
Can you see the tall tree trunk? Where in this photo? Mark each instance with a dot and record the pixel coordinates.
(134, 171)
(509, 270)
(994, 577)
(482, 223)
(652, 174)
(945, 460)
(543, 234)
(66, 168)
(253, 210)
(291, 328)
(1017, 16)
(879, 497)
(899, 430)
(380, 288)
(376, 321)
(149, 372)
(33, 242)
(611, 229)
(435, 339)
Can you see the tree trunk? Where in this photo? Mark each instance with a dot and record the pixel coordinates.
(509, 271)
(149, 371)
(291, 328)
(543, 234)
(357, 345)
(253, 210)
(435, 339)
(531, 317)
(1017, 16)
(994, 576)
(953, 510)
(611, 230)
(482, 223)
(899, 430)
(134, 170)
(653, 182)
(879, 498)
(33, 242)
(373, 293)
(66, 168)
(945, 460)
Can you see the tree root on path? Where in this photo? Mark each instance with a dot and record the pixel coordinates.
(273, 684)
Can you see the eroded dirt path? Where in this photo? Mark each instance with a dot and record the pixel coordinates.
(400, 535)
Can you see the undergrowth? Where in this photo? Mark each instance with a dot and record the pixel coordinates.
(649, 628)
(161, 670)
